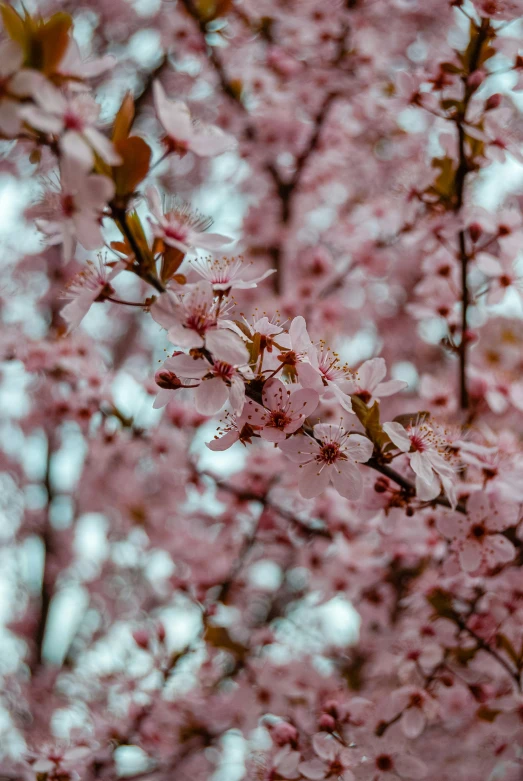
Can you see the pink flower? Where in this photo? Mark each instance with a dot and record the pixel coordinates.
(388, 761)
(220, 381)
(368, 385)
(501, 275)
(72, 118)
(242, 428)
(16, 82)
(476, 535)
(416, 707)
(295, 355)
(90, 285)
(192, 320)
(428, 456)
(182, 228)
(168, 382)
(74, 213)
(333, 375)
(73, 66)
(330, 457)
(287, 410)
(184, 135)
(332, 760)
(225, 274)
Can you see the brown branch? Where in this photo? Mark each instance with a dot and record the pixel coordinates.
(464, 168)
(47, 589)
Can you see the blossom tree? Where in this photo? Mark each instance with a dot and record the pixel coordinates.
(339, 595)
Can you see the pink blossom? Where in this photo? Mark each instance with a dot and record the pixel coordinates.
(388, 760)
(330, 457)
(287, 409)
(183, 134)
(73, 66)
(367, 385)
(74, 212)
(91, 284)
(17, 83)
(240, 429)
(501, 274)
(72, 118)
(332, 760)
(417, 709)
(226, 274)
(428, 458)
(222, 380)
(332, 373)
(477, 535)
(181, 228)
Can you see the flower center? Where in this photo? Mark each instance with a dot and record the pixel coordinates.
(478, 531)
(330, 452)
(223, 370)
(73, 122)
(384, 762)
(417, 443)
(176, 232)
(278, 419)
(67, 204)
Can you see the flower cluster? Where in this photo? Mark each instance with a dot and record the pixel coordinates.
(339, 595)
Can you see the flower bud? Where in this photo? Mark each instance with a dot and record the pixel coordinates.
(475, 231)
(167, 380)
(476, 79)
(327, 723)
(284, 733)
(141, 638)
(493, 102)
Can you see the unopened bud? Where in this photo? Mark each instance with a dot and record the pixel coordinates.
(141, 638)
(284, 733)
(167, 380)
(475, 231)
(476, 79)
(493, 102)
(327, 723)
(381, 485)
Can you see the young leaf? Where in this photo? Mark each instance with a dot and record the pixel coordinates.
(124, 119)
(136, 156)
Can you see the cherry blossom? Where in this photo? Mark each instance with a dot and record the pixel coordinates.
(184, 135)
(368, 385)
(73, 119)
(240, 429)
(428, 458)
(74, 212)
(329, 457)
(181, 228)
(287, 409)
(333, 374)
(91, 284)
(221, 380)
(478, 537)
(416, 709)
(226, 274)
(332, 760)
